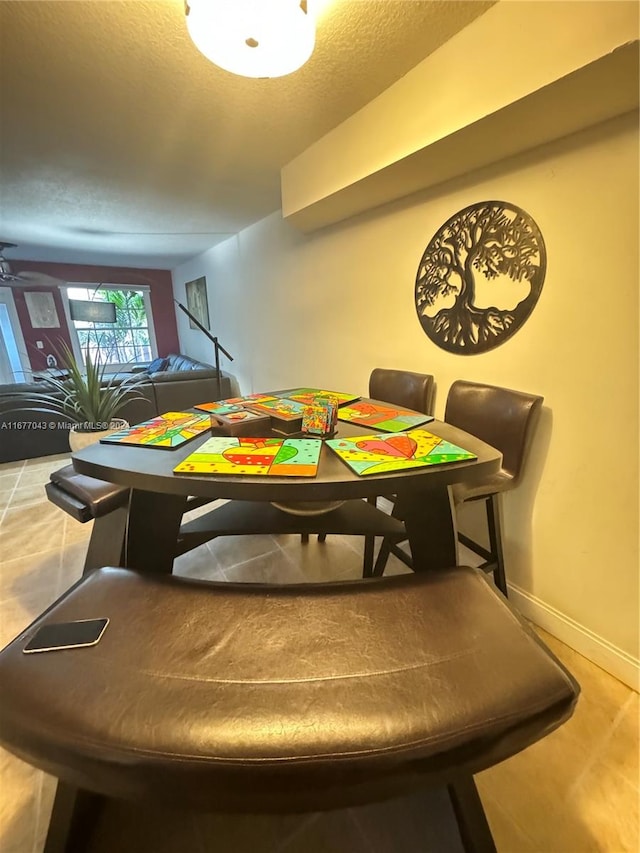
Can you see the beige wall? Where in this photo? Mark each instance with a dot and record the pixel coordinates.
(509, 81)
(326, 308)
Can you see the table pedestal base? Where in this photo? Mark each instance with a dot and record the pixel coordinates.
(431, 530)
(154, 524)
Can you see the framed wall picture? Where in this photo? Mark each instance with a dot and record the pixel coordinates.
(197, 302)
(42, 309)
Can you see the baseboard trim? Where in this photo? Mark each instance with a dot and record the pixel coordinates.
(604, 654)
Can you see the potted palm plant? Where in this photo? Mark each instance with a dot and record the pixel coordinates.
(87, 396)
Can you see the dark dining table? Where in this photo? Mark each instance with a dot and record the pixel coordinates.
(156, 534)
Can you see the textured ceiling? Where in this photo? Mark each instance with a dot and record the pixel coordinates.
(120, 143)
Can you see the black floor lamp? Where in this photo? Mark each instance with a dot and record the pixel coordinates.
(216, 346)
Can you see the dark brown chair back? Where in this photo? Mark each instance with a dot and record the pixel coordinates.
(503, 418)
(402, 388)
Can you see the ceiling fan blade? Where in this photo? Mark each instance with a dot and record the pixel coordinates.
(26, 277)
(36, 279)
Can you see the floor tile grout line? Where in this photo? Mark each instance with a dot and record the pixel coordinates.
(599, 751)
(33, 554)
(491, 803)
(249, 560)
(48, 520)
(302, 826)
(357, 822)
(35, 846)
(13, 491)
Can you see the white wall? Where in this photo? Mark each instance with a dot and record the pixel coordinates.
(515, 49)
(326, 308)
(212, 264)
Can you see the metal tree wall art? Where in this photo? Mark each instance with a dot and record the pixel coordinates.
(480, 277)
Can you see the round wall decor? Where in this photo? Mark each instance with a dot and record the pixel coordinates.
(480, 277)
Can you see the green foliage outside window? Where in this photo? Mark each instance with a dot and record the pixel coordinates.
(124, 342)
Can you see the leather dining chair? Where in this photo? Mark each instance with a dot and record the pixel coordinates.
(403, 388)
(506, 420)
(400, 388)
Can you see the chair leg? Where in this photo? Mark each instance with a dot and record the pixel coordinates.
(494, 524)
(304, 538)
(367, 561)
(72, 820)
(369, 547)
(475, 832)
(381, 560)
(397, 551)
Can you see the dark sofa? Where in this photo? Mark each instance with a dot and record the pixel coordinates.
(26, 434)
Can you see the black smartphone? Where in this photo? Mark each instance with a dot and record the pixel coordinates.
(66, 635)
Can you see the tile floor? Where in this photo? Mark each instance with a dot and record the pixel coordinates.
(574, 792)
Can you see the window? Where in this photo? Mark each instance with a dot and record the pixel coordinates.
(128, 340)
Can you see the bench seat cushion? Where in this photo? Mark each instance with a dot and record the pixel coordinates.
(84, 497)
(227, 695)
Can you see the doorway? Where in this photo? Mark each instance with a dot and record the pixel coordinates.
(14, 363)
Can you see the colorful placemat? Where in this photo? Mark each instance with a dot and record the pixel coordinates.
(385, 417)
(167, 431)
(232, 404)
(383, 454)
(283, 408)
(237, 416)
(308, 395)
(270, 457)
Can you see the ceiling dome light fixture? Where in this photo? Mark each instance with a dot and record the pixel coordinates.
(253, 38)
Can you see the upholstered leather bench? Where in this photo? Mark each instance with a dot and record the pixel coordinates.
(261, 698)
(85, 499)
